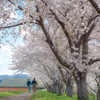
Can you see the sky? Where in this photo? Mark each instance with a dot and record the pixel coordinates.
(6, 52)
(6, 58)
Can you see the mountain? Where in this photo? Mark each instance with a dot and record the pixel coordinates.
(21, 76)
(14, 76)
(4, 76)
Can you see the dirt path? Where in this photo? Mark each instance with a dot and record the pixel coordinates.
(24, 96)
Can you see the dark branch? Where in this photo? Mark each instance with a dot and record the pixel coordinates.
(64, 29)
(62, 25)
(51, 45)
(91, 29)
(95, 5)
(91, 88)
(79, 42)
(14, 25)
(49, 74)
(62, 74)
(22, 10)
(91, 19)
(87, 33)
(93, 61)
(97, 80)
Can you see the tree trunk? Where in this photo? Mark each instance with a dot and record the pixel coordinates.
(54, 88)
(98, 96)
(98, 93)
(60, 91)
(69, 91)
(82, 92)
(60, 88)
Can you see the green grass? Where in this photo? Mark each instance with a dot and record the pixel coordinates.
(45, 95)
(10, 93)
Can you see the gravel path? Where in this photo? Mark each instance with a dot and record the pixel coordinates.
(24, 96)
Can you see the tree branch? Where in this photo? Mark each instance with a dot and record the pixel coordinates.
(93, 61)
(79, 42)
(91, 19)
(95, 5)
(22, 9)
(62, 25)
(14, 25)
(49, 75)
(87, 33)
(51, 45)
(91, 29)
(91, 88)
(64, 29)
(62, 74)
(96, 80)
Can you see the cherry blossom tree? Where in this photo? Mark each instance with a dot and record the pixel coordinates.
(23, 61)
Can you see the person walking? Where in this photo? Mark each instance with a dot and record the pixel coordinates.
(29, 85)
(34, 83)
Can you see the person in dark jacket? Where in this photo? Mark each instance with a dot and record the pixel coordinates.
(34, 83)
(29, 85)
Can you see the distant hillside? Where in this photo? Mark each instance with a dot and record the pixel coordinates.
(13, 81)
(17, 82)
(21, 76)
(4, 76)
(14, 76)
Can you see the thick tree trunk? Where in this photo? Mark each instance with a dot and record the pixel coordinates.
(60, 88)
(82, 92)
(54, 89)
(69, 91)
(98, 96)
(98, 93)
(60, 91)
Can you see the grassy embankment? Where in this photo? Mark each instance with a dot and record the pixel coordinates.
(10, 93)
(45, 95)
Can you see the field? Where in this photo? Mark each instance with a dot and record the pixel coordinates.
(12, 89)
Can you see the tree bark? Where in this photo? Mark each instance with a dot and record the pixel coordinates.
(60, 91)
(54, 88)
(69, 87)
(98, 96)
(69, 91)
(95, 5)
(82, 92)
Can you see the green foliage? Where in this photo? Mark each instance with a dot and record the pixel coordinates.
(10, 93)
(45, 95)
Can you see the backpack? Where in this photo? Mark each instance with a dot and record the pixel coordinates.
(34, 85)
